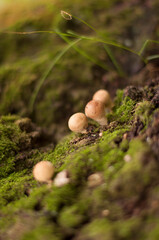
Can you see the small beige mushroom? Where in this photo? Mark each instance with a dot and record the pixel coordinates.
(104, 97)
(43, 171)
(127, 158)
(61, 179)
(105, 213)
(96, 111)
(95, 179)
(78, 123)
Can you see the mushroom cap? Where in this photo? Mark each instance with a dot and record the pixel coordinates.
(43, 171)
(61, 179)
(95, 179)
(103, 96)
(78, 122)
(95, 110)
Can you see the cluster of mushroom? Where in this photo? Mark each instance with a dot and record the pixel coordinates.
(78, 122)
(43, 171)
(95, 109)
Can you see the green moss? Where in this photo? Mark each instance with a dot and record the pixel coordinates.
(99, 229)
(153, 232)
(31, 202)
(42, 232)
(143, 112)
(74, 204)
(124, 113)
(34, 226)
(80, 164)
(134, 171)
(13, 187)
(12, 142)
(14, 165)
(109, 230)
(123, 109)
(124, 145)
(8, 119)
(9, 145)
(60, 197)
(119, 98)
(70, 217)
(60, 152)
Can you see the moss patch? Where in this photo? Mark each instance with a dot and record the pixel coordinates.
(112, 210)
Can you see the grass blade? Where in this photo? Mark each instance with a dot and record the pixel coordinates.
(111, 56)
(152, 57)
(83, 53)
(45, 75)
(145, 45)
(107, 49)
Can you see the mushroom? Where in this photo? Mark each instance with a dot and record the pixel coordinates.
(43, 171)
(78, 123)
(61, 179)
(96, 111)
(104, 97)
(105, 213)
(95, 179)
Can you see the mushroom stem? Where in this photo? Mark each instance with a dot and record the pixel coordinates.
(49, 183)
(84, 131)
(102, 121)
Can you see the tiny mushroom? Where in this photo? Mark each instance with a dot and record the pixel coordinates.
(105, 213)
(95, 179)
(61, 179)
(104, 97)
(78, 123)
(43, 171)
(96, 111)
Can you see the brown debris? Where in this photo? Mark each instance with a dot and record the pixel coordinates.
(134, 93)
(152, 133)
(25, 124)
